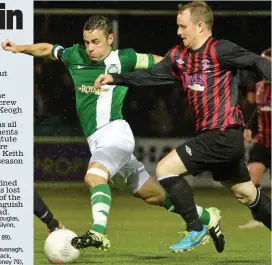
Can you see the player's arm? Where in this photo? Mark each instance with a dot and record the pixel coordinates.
(134, 60)
(145, 61)
(233, 56)
(36, 50)
(157, 58)
(159, 74)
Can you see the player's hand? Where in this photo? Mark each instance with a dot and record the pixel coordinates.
(8, 45)
(248, 135)
(101, 80)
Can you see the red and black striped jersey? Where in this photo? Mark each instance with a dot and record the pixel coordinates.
(263, 102)
(209, 78)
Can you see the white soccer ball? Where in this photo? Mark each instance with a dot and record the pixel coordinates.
(58, 248)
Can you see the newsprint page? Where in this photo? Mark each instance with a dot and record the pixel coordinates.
(16, 136)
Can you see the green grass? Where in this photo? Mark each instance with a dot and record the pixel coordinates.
(142, 234)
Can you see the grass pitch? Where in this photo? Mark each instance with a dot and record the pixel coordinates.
(141, 234)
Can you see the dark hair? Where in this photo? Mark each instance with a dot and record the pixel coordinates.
(98, 22)
(267, 52)
(200, 12)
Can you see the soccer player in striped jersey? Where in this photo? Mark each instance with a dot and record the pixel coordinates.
(260, 153)
(110, 139)
(207, 70)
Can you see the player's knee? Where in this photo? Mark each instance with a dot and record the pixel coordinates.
(256, 174)
(95, 176)
(246, 195)
(162, 170)
(92, 181)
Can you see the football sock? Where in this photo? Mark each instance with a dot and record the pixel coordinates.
(101, 203)
(203, 214)
(43, 213)
(261, 208)
(181, 195)
(259, 187)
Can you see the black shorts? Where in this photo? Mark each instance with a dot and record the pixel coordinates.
(220, 152)
(260, 153)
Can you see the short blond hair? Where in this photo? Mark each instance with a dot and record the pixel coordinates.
(200, 12)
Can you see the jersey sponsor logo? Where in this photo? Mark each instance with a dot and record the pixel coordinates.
(195, 82)
(113, 69)
(89, 89)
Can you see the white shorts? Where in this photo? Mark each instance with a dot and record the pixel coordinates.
(113, 146)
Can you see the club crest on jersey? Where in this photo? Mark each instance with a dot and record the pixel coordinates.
(205, 64)
(113, 69)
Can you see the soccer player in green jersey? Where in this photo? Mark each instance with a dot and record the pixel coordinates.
(110, 139)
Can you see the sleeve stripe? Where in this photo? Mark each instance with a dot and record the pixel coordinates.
(56, 52)
(142, 61)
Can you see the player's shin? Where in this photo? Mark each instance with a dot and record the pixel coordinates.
(181, 195)
(261, 208)
(101, 203)
(203, 214)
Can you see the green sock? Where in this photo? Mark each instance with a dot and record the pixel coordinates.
(101, 203)
(167, 204)
(204, 215)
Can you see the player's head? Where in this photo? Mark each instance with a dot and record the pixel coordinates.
(98, 37)
(267, 54)
(195, 22)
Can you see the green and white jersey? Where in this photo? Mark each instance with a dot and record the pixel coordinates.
(96, 109)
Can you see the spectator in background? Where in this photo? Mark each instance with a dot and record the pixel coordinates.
(160, 119)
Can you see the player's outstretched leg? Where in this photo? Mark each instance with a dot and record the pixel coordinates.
(44, 214)
(258, 202)
(252, 223)
(96, 237)
(261, 208)
(256, 172)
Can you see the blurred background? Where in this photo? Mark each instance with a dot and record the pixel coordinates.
(159, 117)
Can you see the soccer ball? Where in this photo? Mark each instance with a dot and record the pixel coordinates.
(58, 248)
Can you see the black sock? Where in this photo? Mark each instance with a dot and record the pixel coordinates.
(261, 208)
(43, 212)
(259, 187)
(181, 195)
